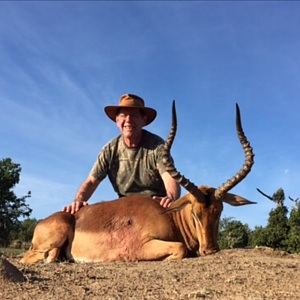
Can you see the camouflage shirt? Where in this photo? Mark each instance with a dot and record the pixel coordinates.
(133, 170)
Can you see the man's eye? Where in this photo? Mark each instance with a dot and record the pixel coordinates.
(134, 117)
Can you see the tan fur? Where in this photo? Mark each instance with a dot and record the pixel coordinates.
(133, 228)
(50, 236)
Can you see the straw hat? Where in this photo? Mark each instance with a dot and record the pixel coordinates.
(131, 101)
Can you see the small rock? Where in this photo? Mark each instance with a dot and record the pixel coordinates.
(9, 272)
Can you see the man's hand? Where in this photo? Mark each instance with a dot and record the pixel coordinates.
(163, 201)
(75, 206)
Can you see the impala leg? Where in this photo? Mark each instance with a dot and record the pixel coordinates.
(68, 255)
(33, 256)
(53, 255)
(159, 250)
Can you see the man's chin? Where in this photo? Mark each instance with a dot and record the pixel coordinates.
(128, 133)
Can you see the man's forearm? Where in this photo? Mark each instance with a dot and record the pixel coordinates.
(174, 192)
(87, 189)
(172, 187)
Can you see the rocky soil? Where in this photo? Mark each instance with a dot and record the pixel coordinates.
(257, 274)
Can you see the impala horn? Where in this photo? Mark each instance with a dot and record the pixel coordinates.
(248, 162)
(189, 186)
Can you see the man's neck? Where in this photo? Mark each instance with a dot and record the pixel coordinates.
(132, 142)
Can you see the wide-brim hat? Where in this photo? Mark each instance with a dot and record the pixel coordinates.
(131, 101)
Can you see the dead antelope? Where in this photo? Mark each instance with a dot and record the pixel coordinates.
(137, 228)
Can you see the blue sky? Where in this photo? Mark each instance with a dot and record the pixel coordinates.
(62, 62)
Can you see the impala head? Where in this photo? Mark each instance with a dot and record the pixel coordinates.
(206, 202)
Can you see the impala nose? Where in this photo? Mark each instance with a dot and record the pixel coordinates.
(209, 251)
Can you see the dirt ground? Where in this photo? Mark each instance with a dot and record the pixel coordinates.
(258, 274)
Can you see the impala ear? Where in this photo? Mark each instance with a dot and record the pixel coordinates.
(236, 200)
(179, 204)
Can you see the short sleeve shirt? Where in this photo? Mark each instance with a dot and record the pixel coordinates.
(133, 170)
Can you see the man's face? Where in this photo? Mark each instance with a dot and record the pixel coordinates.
(130, 122)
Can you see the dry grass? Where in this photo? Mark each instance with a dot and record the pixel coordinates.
(11, 252)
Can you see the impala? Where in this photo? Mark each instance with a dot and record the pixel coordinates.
(137, 228)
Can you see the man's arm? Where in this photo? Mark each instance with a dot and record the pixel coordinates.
(84, 194)
(172, 188)
(171, 185)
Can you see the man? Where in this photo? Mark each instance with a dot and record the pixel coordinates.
(132, 161)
